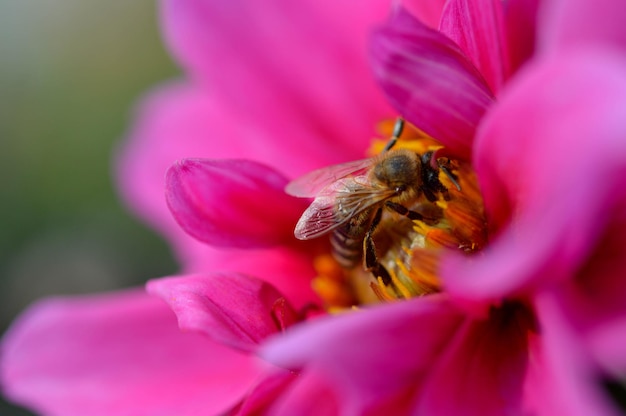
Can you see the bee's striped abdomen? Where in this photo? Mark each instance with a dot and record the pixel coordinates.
(347, 240)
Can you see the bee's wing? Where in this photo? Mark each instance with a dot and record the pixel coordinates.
(324, 213)
(310, 184)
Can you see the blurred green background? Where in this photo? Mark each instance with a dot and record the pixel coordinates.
(70, 73)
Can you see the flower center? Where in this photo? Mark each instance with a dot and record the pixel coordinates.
(402, 249)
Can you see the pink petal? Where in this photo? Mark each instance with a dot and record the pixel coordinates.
(607, 342)
(593, 302)
(429, 81)
(297, 72)
(289, 269)
(117, 354)
(521, 27)
(266, 392)
(482, 370)
(426, 11)
(549, 158)
(235, 310)
(477, 26)
(561, 379)
(232, 203)
(372, 354)
(309, 396)
(566, 24)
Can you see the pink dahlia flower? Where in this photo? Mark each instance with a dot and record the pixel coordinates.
(530, 95)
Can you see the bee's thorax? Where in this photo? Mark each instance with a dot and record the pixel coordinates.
(398, 169)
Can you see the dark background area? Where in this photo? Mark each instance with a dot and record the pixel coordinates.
(70, 74)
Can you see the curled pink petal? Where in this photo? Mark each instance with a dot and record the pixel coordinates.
(567, 24)
(385, 346)
(289, 269)
(117, 354)
(429, 81)
(234, 310)
(477, 26)
(232, 203)
(549, 158)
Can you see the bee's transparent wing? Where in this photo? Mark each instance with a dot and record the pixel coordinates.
(310, 184)
(337, 204)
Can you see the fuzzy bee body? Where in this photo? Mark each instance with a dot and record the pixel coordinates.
(350, 198)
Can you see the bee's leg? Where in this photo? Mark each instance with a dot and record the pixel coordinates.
(453, 178)
(413, 215)
(430, 195)
(370, 259)
(443, 163)
(430, 178)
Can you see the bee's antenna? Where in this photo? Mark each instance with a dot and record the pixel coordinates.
(397, 131)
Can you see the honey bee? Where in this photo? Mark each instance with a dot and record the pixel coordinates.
(350, 198)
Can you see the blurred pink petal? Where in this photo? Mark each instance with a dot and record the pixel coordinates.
(477, 26)
(568, 24)
(231, 203)
(232, 309)
(520, 23)
(549, 157)
(267, 391)
(479, 373)
(426, 11)
(561, 378)
(310, 396)
(118, 354)
(593, 302)
(255, 57)
(430, 82)
(355, 349)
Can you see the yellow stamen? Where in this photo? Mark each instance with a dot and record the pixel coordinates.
(331, 283)
(398, 285)
(382, 291)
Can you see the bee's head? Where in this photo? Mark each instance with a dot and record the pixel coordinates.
(398, 169)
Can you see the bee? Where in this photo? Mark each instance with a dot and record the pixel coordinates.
(350, 198)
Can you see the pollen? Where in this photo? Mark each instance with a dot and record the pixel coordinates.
(331, 283)
(339, 288)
